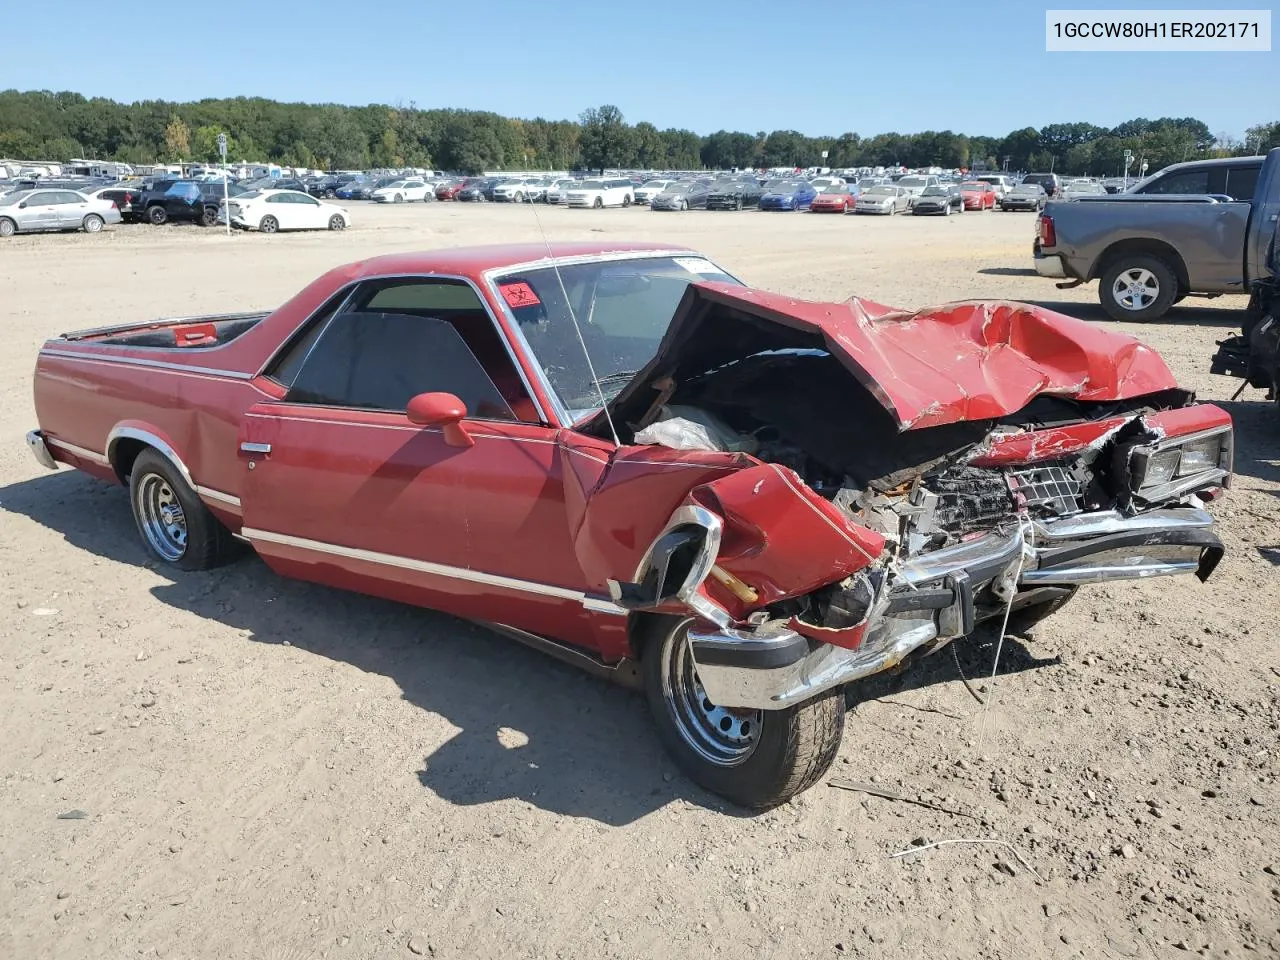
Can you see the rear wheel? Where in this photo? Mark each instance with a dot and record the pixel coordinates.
(209, 217)
(175, 525)
(92, 223)
(754, 758)
(269, 225)
(1137, 287)
(157, 215)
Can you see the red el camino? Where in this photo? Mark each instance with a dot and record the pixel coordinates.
(833, 199)
(978, 195)
(741, 501)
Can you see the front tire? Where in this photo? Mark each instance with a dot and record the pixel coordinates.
(7, 227)
(1137, 288)
(336, 222)
(599, 204)
(399, 198)
(755, 758)
(92, 223)
(176, 527)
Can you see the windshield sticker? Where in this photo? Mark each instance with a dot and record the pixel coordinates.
(519, 295)
(697, 265)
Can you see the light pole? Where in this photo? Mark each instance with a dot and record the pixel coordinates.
(226, 200)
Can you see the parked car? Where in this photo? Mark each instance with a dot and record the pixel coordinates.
(833, 198)
(33, 211)
(615, 192)
(787, 195)
(1234, 177)
(361, 188)
(519, 189)
(681, 196)
(192, 201)
(978, 195)
(788, 556)
(126, 198)
(1051, 183)
(650, 189)
(885, 198)
(556, 189)
(1002, 183)
(1082, 188)
(1025, 196)
(735, 194)
(270, 210)
(450, 188)
(939, 200)
(330, 185)
(914, 185)
(401, 191)
(1148, 251)
(473, 190)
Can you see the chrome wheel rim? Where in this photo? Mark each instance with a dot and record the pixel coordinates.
(268, 225)
(336, 222)
(161, 517)
(92, 224)
(1135, 289)
(719, 736)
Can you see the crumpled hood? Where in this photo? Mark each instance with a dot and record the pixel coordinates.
(974, 360)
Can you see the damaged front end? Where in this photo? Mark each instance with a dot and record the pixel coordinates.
(865, 526)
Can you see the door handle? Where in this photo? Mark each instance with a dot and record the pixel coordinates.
(263, 448)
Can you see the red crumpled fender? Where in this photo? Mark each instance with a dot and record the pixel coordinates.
(780, 538)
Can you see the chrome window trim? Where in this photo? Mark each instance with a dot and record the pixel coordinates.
(493, 274)
(350, 288)
(588, 601)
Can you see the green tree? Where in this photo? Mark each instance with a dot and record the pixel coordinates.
(177, 140)
(605, 140)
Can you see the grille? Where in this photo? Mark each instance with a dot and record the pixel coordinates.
(1054, 487)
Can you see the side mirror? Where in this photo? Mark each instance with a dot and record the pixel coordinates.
(442, 410)
(22, 205)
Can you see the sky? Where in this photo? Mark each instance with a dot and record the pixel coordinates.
(819, 68)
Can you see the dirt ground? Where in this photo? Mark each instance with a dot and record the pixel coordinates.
(268, 769)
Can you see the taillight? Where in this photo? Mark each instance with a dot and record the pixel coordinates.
(1047, 236)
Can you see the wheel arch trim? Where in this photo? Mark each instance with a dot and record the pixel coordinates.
(146, 435)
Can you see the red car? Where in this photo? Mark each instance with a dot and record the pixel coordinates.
(833, 199)
(978, 195)
(449, 190)
(619, 454)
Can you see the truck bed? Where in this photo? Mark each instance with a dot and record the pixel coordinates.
(208, 330)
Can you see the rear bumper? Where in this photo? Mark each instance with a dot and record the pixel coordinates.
(933, 598)
(40, 450)
(1050, 265)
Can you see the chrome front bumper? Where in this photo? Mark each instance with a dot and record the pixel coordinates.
(40, 450)
(932, 598)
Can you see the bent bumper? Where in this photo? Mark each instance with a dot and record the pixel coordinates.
(933, 598)
(40, 450)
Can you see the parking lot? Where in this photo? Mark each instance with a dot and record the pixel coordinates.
(272, 769)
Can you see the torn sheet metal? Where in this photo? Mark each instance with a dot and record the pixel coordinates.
(963, 361)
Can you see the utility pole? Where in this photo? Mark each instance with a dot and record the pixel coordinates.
(226, 200)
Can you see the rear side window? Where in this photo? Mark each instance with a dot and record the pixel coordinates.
(379, 361)
(1242, 182)
(1185, 181)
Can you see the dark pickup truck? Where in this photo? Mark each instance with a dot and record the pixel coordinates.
(1151, 250)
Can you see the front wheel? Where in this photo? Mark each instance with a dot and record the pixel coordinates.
(599, 204)
(1137, 288)
(946, 210)
(269, 225)
(336, 222)
(755, 758)
(399, 198)
(7, 227)
(626, 201)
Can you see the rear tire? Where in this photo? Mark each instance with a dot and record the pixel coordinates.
(756, 759)
(92, 223)
(209, 217)
(1137, 288)
(268, 225)
(176, 527)
(158, 216)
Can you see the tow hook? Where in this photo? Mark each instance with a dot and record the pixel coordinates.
(1068, 284)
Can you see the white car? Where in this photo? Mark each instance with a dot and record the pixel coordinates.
(401, 191)
(556, 190)
(650, 189)
(270, 210)
(601, 193)
(999, 181)
(519, 189)
(914, 184)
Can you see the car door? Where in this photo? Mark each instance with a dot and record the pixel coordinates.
(307, 212)
(39, 211)
(342, 488)
(71, 209)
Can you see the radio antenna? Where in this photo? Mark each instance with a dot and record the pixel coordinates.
(591, 368)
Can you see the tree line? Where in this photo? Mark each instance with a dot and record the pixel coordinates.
(58, 126)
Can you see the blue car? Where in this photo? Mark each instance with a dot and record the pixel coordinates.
(787, 195)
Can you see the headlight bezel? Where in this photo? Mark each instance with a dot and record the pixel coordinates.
(1175, 473)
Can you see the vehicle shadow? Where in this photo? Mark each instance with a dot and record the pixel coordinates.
(1177, 315)
(1008, 271)
(1257, 436)
(529, 727)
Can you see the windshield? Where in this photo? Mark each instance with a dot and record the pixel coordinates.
(912, 182)
(9, 199)
(655, 184)
(841, 187)
(678, 188)
(1027, 188)
(623, 308)
(882, 191)
(974, 185)
(785, 186)
(592, 185)
(934, 192)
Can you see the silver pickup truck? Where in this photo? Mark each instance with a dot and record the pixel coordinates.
(1148, 252)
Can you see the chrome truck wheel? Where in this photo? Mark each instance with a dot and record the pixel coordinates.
(1137, 288)
(175, 525)
(755, 758)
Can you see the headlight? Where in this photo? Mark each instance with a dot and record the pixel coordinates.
(1199, 456)
(1161, 467)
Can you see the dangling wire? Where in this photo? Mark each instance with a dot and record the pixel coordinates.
(591, 369)
(1027, 532)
